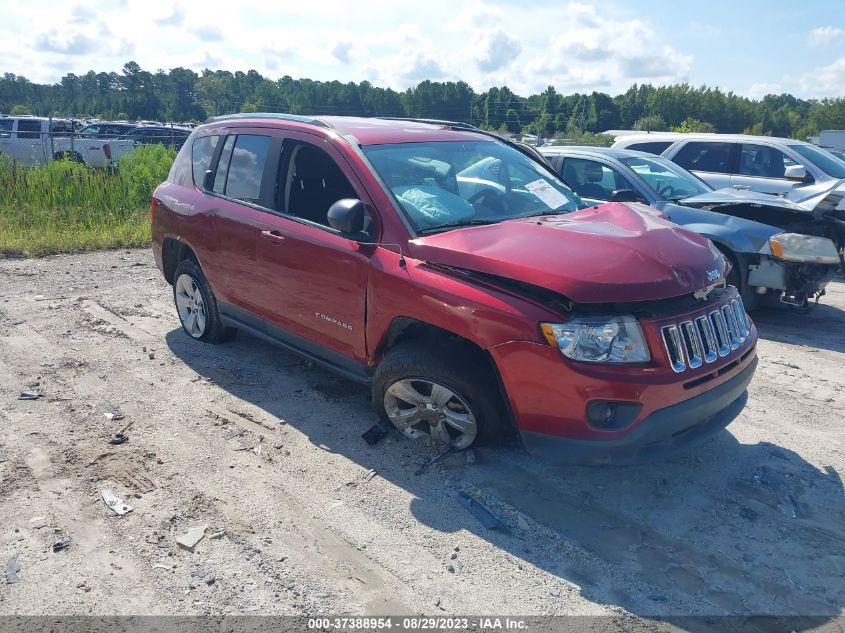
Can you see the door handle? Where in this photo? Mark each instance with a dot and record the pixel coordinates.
(273, 236)
(743, 187)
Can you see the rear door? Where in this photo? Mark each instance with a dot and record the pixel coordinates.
(712, 161)
(27, 147)
(761, 168)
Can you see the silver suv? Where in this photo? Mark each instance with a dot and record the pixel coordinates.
(759, 163)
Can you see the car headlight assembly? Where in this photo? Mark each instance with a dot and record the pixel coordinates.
(600, 339)
(794, 247)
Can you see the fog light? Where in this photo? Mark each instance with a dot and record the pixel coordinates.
(607, 415)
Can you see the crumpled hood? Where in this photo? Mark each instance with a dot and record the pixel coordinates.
(611, 253)
(825, 198)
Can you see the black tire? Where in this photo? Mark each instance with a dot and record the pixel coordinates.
(460, 369)
(738, 277)
(214, 331)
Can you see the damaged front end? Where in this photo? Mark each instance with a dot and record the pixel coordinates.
(797, 264)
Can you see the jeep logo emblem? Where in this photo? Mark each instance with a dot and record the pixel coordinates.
(713, 275)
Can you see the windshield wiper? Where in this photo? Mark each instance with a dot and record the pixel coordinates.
(456, 225)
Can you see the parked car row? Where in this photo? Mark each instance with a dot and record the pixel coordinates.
(785, 247)
(456, 274)
(29, 140)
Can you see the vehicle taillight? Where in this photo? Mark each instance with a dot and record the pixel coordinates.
(107, 150)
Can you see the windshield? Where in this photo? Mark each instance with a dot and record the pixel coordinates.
(822, 159)
(666, 179)
(448, 184)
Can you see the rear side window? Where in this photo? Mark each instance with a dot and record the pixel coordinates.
(29, 128)
(652, 147)
(202, 151)
(590, 179)
(246, 168)
(700, 156)
(5, 128)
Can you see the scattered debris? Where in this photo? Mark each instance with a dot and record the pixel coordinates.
(370, 474)
(115, 502)
(454, 568)
(165, 544)
(376, 433)
(425, 465)
(36, 523)
(12, 569)
(469, 456)
(210, 580)
(160, 566)
(234, 433)
(58, 546)
(484, 514)
(215, 534)
(116, 415)
(190, 538)
(30, 395)
(119, 438)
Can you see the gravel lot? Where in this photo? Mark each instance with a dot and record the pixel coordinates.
(303, 516)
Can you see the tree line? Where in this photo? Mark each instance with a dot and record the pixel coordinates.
(181, 94)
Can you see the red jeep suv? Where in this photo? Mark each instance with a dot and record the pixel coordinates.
(456, 275)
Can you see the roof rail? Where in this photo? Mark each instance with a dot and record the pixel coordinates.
(458, 125)
(270, 115)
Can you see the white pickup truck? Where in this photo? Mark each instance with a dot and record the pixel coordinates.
(30, 141)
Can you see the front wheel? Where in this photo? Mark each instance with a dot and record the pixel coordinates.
(429, 391)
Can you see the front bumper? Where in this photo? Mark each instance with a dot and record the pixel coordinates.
(664, 432)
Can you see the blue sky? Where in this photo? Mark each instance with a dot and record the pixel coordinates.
(749, 47)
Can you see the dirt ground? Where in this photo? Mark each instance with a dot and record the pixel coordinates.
(303, 517)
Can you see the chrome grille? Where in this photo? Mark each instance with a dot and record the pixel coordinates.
(689, 344)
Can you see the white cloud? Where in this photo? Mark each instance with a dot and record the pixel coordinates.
(208, 33)
(825, 35)
(827, 81)
(342, 51)
(592, 52)
(176, 17)
(495, 50)
(760, 90)
(526, 46)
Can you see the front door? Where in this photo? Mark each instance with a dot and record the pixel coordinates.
(762, 168)
(315, 281)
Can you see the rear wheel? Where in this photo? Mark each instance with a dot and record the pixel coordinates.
(197, 305)
(440, 393)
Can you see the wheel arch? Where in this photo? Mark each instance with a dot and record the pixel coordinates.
(174, 251)
(410, 329)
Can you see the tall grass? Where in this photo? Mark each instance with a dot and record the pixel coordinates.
(64, 207)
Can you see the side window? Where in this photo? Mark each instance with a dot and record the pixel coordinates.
(590, 179)
(6, 128)
(27, 128)
(763, 161)
(61, 128)
(246, 168)
(313, 182)
(223, 165)
(653, 147)
(202, 151)
(701, 156)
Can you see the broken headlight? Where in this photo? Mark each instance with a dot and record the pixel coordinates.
(794, 247)
(617, 339)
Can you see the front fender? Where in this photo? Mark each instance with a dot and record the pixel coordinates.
(737, 234)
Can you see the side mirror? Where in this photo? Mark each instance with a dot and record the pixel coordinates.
(208, 180)
(796, 172)
(626, 195)
(347, 217)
